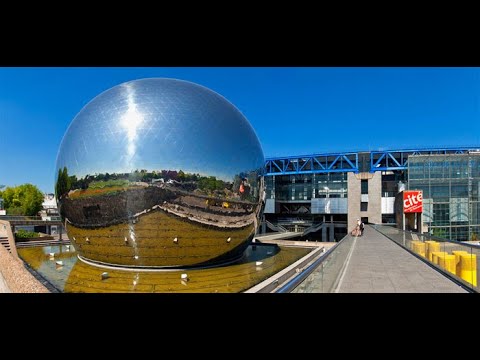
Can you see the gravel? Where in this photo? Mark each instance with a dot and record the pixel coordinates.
(15, 278)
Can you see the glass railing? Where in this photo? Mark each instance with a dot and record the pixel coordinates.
(457, 260)
(322, 276)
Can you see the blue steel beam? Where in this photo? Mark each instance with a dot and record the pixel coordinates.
(319, 164)
(316, 163)
(379, 160)
(306, 162)
(348, 162)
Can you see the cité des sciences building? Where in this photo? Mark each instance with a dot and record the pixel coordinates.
(325, 194)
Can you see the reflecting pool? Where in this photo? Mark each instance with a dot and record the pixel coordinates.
(62, 268)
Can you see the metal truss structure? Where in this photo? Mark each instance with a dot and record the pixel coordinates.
(349, 162)
(309, 164)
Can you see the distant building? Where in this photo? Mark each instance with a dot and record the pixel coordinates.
(339, 188)
(49, 205)
(451, 187)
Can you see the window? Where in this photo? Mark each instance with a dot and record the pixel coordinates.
(388, 219)
(364, 186)
(363, 206)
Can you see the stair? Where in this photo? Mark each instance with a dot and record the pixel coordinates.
(5, 243)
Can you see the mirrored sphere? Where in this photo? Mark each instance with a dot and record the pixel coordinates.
(160, 173)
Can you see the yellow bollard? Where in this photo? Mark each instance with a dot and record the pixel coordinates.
(433, 246)
(468, 268)
(421, 249)
(427, 248)
(436, 255)
(457, 254)
(413, 245)
(447, 262)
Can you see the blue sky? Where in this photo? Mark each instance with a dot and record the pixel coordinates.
(294, 111)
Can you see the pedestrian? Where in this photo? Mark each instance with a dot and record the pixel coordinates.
(244, 189)
(358, 228)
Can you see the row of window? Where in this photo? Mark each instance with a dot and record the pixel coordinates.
(444, 167)
(451, 187)
(458, 233)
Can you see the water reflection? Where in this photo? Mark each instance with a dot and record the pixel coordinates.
(160, 172)
(44, 261)
(259, 263)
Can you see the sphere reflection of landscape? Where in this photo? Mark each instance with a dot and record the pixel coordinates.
(160, 173)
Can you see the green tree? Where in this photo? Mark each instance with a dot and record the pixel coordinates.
(25, 199)
(64, 183)
(181, 176)
(438, 232)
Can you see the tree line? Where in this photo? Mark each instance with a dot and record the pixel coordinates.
(65, 182)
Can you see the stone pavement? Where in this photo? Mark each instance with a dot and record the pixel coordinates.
(378, 265)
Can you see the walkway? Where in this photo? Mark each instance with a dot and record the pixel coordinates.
(378, 265)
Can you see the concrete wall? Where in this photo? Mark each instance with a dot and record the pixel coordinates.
(374, 211)
(6, 230)
(353, 200)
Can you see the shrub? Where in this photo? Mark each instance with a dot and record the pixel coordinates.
(23, 234)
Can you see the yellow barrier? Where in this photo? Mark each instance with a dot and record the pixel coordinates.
(447, 262)
(460, 263)
(413, 244)
(468, 268)
(421, 249)
(432, 246)
(457, 254)
(418, 247)
(436, 255)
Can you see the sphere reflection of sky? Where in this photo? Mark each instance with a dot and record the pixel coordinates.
(160, 124)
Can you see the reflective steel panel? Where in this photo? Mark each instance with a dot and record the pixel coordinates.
(160, 173)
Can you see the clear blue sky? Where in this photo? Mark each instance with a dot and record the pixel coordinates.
(294, 111)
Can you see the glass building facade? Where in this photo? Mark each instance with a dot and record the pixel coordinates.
(451, 186)
(306, 186)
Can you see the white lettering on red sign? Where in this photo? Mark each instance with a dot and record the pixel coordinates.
(412, 201)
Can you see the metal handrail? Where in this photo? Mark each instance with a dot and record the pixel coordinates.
(273, 226)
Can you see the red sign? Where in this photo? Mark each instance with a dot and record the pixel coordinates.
(412, 201)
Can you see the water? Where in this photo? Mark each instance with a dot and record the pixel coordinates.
(73, 275)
